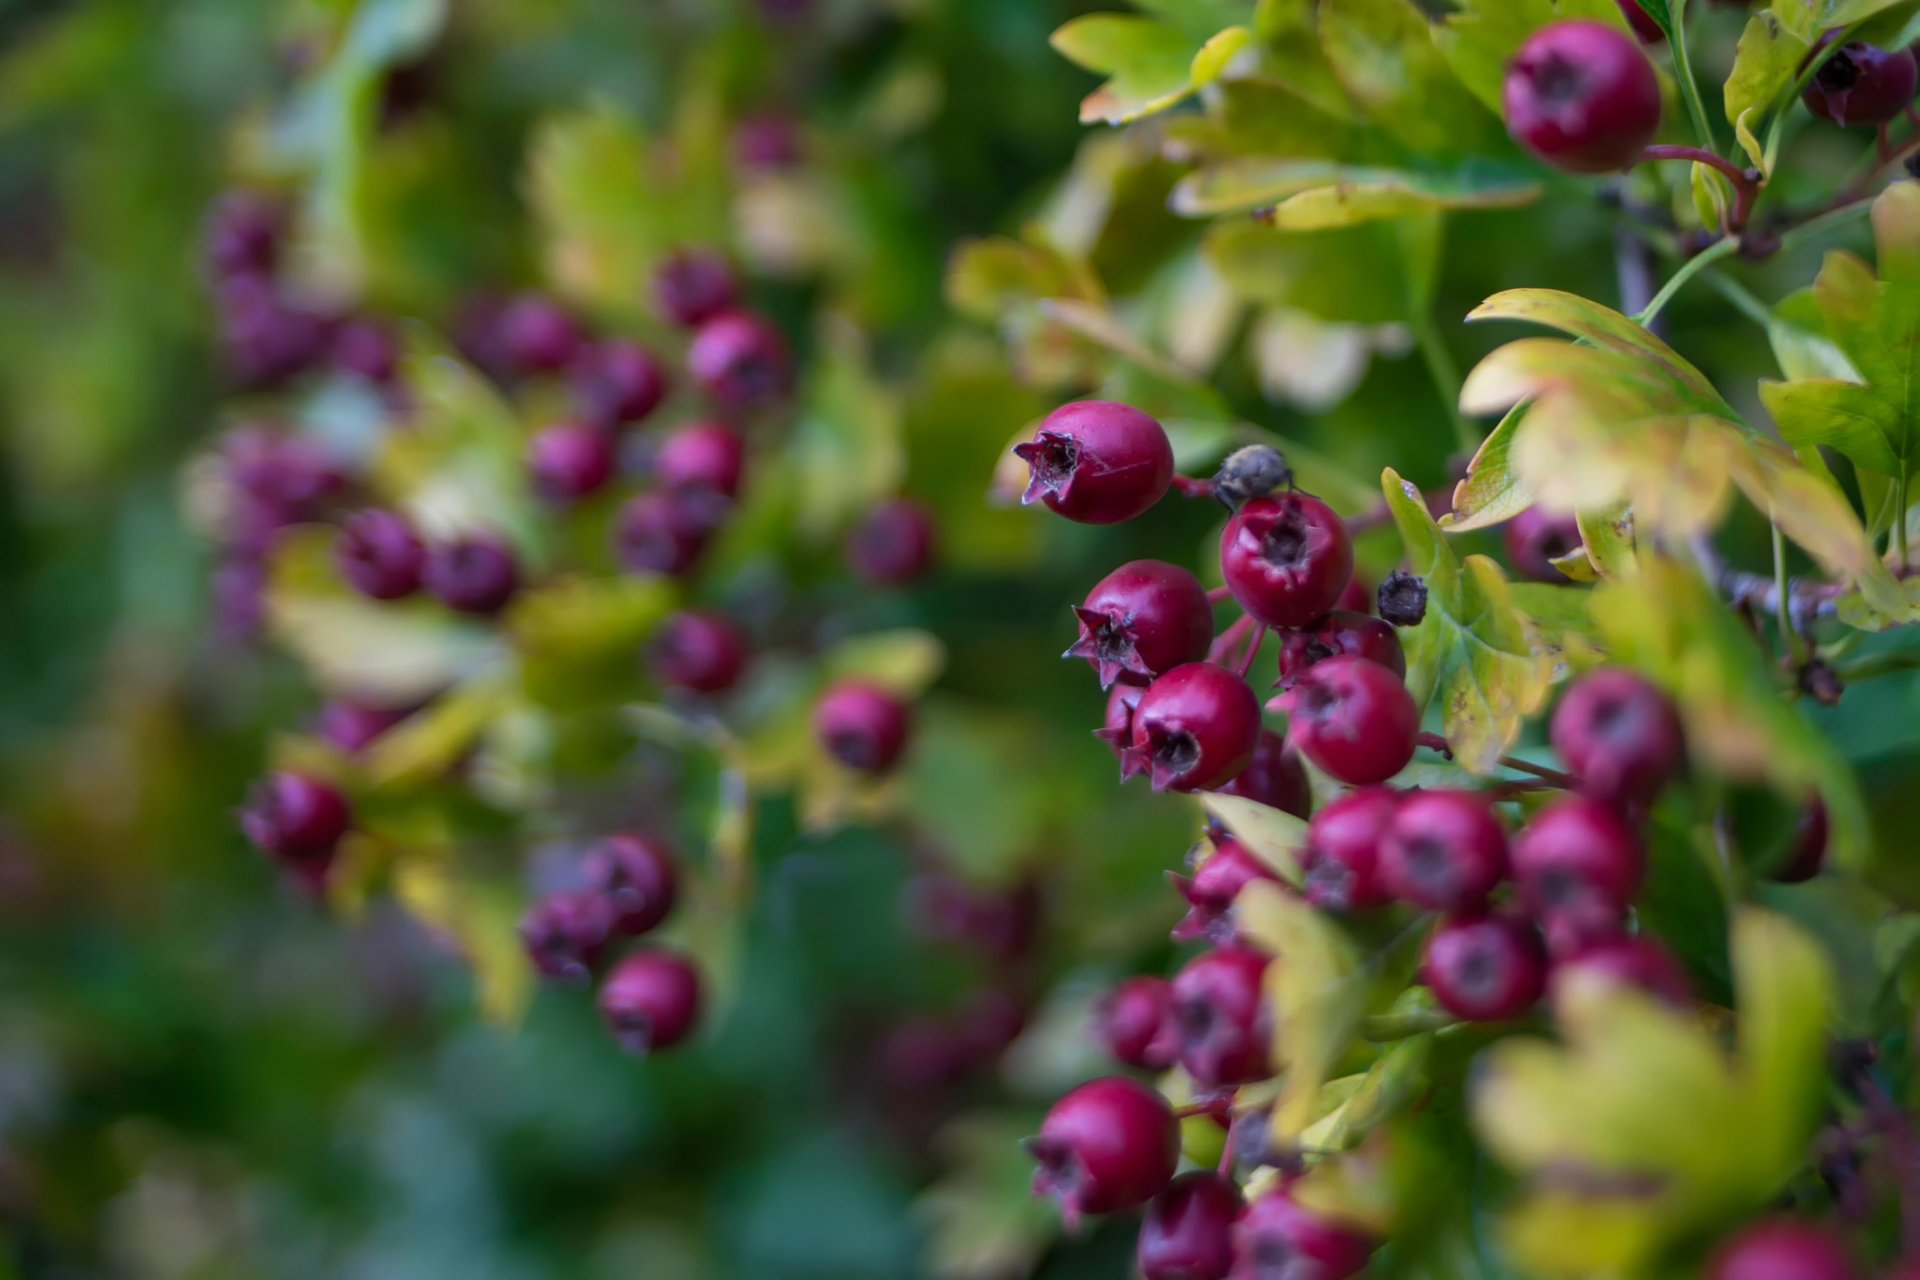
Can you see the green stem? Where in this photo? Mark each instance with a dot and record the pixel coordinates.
(1901, 508)
(1788, 638)
(1813, 227)
(1381, 1028)
(1683, 71)
(1446, 377)
(1688, 269)
(1880, 664)
(1744, 302)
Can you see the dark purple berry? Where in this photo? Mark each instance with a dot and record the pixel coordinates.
(1619, 735)
(1444, 850)
(1195, 728)
(243, 233)
(862, 725)
(617, 383)
(1583, 97)
(1212, 889)
(380, 555)
(1782, 1249)
(664, 531)
(239, 593)
(1402, 599)
(1098, 462)
(571, 460)
(1117, 729)
(1340, 863)
(1645, 29)
(1274, 777)
(766, 143)
(1143, 619)
(536, 335)
(1356, 633)
(1187, 1233)
(265, 337)
(703, 652)
(1219, 1016)
(694, 286)
(740, 360)
(1536, 538)
(1807, 850)
(1109, 1146)
(1485, 968)
(1626, 961)
(1132, 1022)
(892, 545)
(651, 1000)
(367, 349)
(636, 876)
(296, 817)
(355, 726)
(1277, 1238)
(473, 574)
(1351, 718)
(1286, 559)
(704, 457)
(1578, 861)
(1859, 84)
(566, 934)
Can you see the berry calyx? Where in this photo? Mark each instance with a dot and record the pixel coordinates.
(474, 574)
(651, 1000)
(1637, 961)
(1359, 634)
(1444, 850)
(635, 875)
(1187, 1233)
(536, 335)
(1353, 719)
(1132, 1022)
(740, 360)
(566, 934)
(1579, 862)
(693, 286)
(862, 725)
(1536, 538)
(1219, 1017)
(617, 383)
(702, 457)
(1108, 1146)
(1781, 1249)
(1340, 863)
(1807, 849)
(1116, 728)
(664, 531)
(1485, 968)
(1286, 558)
(1276, 1238)
(1583, 97)
(892, 545)
(1211, 890)
(1620, 735)
(380, 555)
(1097, 462)
(1142, 620)
(1194, 728)
(703, 652)
(571, 460)
(1859, 84)
(296, 817)
(1274, 777)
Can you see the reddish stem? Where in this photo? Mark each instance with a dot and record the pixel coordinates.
(1219, 595)
(1188, 487)
(1224, 643)
(1253, 649)
(1544, 775)
(1746, 182)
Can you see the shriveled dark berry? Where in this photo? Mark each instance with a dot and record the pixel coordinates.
(1132, 1022)
(651, 1000)
(1277, 1238)
(1444, 850)
(1274, 777)
(1402, 599)
(862, 725)
(617, 383)
(1286, 558)
(1583, 97)
(1194, 728)
(893, 544)
(1187, 1233)
(1220, 1017)
(1337, 633)
(380, 555)
(1142, 620)
(1352, 718)
(636, 876)
(1620, 735)
(1211, 890)
(1340, 862)
(1485, 968)
(695, 285)
(1098, 462)
(566, 934)
(740, 360)
(476, 573)
(1536, 538)
(701, 651)
(1108, 1146)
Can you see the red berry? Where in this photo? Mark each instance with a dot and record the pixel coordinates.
(1357, 598)
(267, 338)
(1117, 729)
(1274, 777)
(474, 574)
(1807, 851)
(1132, 1021)
(1578, 861)
(1351, 718)
(1628, 961)
(1098, 462)
(1276, 1238)
(1219, 1017)
(664, 531)
(292, 476)
(367, 350)
(566, 934)
(1583, 97)
(380, 555)
(355, 726)
(920, 1056)
(985, 1025)
(635, 876)
(766, 142)
(707, 457)
(1211, 892)
(1485, 968)
(862, 725)
(1286, 558)
(1444, 850)
(571, 460)
(694, 286)
(892, 545)
(1143, 619)
(617, 383)
(1340, 863)
(1859, 84)
(651, 1000)
(296, 817)
(1195, 727)
(536, 335)
(703, 652)
(1187, 1233)
(1536, 538)
(1359, 634)
(243, 235)
(1644, 27)
(1109, 1146)
(1619, 735)
(1782, 1249)
(740, 360)
(999, 924)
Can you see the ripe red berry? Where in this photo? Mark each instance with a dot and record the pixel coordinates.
(1187, 1233)
(1485, 968)
(1619, 735)
(1195, 727)
(664, 531)
(651, 1000)
(571, 460)
(1583, 97)
(292, 476)
(566, 934)
(1132, 1022)
(366, 349)
(1143, 619)
(1644, 27)
(985, 1025)
(380, 555)
(1578, 861)
(1276, 1238)
(1782, 1249)
(473, 574)
(1109, 1146)
(740, 360)
(635, 875)
(693, 286)
(1859, 84)
(1351, 718)
(355, 726)
(892, 545)
(617, 383)
(1807, 850)
(862, 725)
(536, 335)
(1212, 889)
(1286, 559)
(999, 924)
(706, 457)
(1340, 863)
(1444, 850)
(243, 235)
(1637, 961)
(1274, 777)
(703, 652)
(1117, 729)
(1098, 462)
(1359, 634)
(1357, 598)
(1220, 1018)
(1536, 538)
(295, 816)
(267, 338)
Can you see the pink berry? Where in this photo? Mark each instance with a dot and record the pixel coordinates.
(296, 817)
(1187, 1233)
(1644, 27)
(1351, 718)
(566, 934)
(636, 877)
(1142, 620)
(1117, 728)
(705, 457)
(243, 235)
(1627, 961)
(1578, 859)
(617, 383)
(1286, 559)
(1108, 1146)
(380, 555)
(1485, 968)
(740, 360)
(703, 652)
(1274, 777)
(1619, 735)
(1098, 462)
(1220, 1018)
(366, 349)
(1196, 727)
(1132, 1021)
(1536, 538)
(1211, 891)
(355, 726)
(664, 531)
(1276, 1238)
(694, 286)
(1444, 850)
(1859, 84)
(1807, 849)
(862, 725)
(473, 574)
(536, 335)
(1583, 97)
(571, 460)
(1782, 1249)
(651, 1000)
(1340, 863)
(1358, 634)
(892, 545)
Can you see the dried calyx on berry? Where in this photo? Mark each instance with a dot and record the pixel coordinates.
(1210, 892)
(1251, 472)
(1098, 462)
(1194, 728)
(1109, 1146)
(1403, 599)
(1861, 84)
(1141, 620)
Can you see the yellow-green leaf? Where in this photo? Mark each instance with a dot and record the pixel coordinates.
(1272, 835)
(1764, 67)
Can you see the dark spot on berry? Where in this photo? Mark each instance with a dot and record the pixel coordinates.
(1176, 752)
(1286, 544)
(1838, 73)
(1559, 82)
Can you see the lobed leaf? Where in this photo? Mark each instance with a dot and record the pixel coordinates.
(1384, 53)
(1765, 66)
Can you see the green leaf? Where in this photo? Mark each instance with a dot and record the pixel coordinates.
(1383, 51)
(431, 741)
(1808, 19)
(481, 915)
(1603, 327)
(847, 449)
(1765, 66)
(1151, 65)
(1472, 648)
(1492, 491)
(1363, 195)
(983, 1218)
(1480, 38)
(1272, 835)
(1353, 275)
